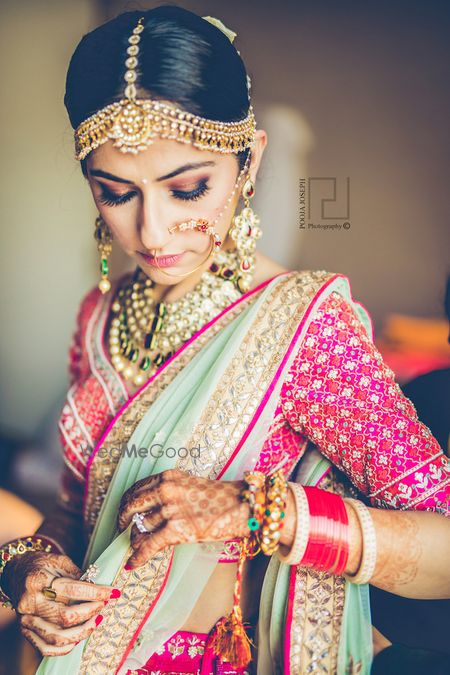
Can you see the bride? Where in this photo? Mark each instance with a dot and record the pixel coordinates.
(239, 461)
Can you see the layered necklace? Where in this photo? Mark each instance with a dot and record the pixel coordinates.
(144, 333)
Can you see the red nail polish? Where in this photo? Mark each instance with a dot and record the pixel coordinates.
(127, 567)
(98, 619)
(115, 593)
(105, 602)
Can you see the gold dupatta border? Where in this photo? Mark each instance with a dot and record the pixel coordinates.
(219, 429)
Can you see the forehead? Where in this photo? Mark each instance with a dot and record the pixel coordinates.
(160, 158)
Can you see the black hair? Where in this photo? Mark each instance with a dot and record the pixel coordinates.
(182, 58)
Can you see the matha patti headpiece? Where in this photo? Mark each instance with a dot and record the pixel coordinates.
(133, 123)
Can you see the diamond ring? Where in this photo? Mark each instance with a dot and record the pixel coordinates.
(138, 520)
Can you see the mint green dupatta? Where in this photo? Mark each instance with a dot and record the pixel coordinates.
(220, 396)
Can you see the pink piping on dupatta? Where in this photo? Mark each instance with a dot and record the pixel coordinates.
(161, 369)
(269, 391)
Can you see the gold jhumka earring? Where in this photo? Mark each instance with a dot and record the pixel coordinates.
(103, 237)
(245, 231)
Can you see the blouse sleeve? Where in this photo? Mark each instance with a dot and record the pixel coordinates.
(78, 369)
(77, 357)
(344, 398)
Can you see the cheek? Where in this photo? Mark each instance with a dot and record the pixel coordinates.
(122, 227)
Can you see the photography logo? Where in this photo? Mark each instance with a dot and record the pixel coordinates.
(324, 203)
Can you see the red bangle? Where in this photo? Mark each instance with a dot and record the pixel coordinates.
(316, 539)
(327, 547)
(343, 549)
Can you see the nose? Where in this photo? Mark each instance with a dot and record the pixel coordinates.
(154, 229)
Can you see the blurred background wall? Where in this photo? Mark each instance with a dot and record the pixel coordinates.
(346, 89)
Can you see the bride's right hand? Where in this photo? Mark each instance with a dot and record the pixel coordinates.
(54, 627)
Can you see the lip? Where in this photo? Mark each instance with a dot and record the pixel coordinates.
(162, 260)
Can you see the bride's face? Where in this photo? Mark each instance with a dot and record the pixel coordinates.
(141, 196)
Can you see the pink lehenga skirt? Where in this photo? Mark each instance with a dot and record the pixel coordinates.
(187, 653)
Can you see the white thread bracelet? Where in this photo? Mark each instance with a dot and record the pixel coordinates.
(301, 536)
(369, 544)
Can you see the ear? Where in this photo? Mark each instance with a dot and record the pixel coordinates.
(257, 151)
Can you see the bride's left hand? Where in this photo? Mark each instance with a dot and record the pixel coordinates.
(180, 508)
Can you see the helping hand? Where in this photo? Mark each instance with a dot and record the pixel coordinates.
(54, 627)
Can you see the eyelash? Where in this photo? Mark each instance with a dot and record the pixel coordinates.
(110, 200)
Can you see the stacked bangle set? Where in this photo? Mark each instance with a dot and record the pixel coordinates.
(321, 539)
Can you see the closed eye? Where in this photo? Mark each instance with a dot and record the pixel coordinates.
(192, 195)
(110, 199)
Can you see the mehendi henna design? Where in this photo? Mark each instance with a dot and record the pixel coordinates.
(399, 549)
(182, 508)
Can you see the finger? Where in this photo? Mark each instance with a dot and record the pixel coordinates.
(65, 567)
(146, 501)
(67, 616)
(145, 484)
(53, 634)
(155, 480)
(144, 498)
(151, 544)
(71, 589)
(43, 647)
(152, 521)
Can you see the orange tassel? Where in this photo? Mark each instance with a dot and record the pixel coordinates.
(229, 639)
(231, 642)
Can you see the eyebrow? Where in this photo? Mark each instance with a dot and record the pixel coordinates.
(175, 172)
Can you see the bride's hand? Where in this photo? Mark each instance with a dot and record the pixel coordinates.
(180, 508)
(54, 627)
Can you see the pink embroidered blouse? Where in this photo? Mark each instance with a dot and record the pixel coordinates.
(338, 395)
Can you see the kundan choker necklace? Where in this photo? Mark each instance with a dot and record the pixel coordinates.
(144, 333)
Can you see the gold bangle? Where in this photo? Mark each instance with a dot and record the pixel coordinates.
(369, 544)
(274, 512)
(298, 548)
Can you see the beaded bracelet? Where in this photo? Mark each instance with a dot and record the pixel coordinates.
(301, 536)
(369, 544)
(276, 496)
(18, 547)
(255, 495)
